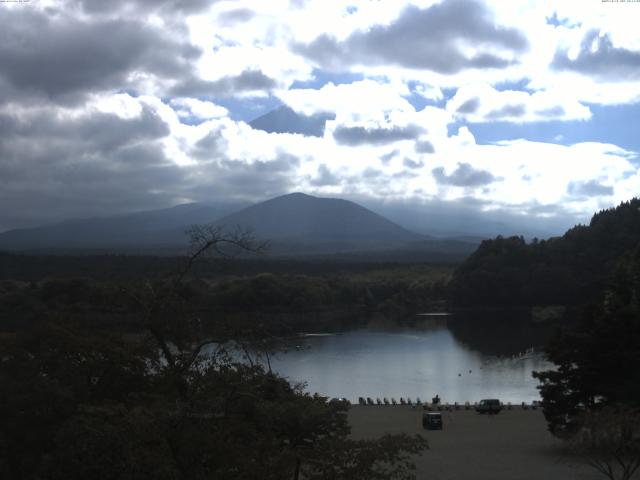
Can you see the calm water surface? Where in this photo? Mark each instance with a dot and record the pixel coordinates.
(421, 360)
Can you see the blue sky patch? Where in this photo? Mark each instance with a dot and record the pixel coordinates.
(609, 124)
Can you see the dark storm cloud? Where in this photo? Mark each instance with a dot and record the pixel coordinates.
(101, 132)
(605, 61)
(29, 136)
(238, 15)
(534, 208)
(405, 175)
(508, 111)
(356, 136)
(53, 168)
(557, 111)
(61, 58)
(230, 177)
(372, 174)
(387, 157)
(463, 176)
(87, 187)
(143, 6)
(324, 177)
(470, 106)
(430, 39)
(424, 146)
(407, 162)
(247, 81)
(208, 147)
(591, 188)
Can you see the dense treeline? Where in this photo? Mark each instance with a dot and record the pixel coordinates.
(301, 302)
(567, 270)
(35, 266)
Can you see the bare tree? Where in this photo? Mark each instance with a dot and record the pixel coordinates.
(165, 314)
(609, 441)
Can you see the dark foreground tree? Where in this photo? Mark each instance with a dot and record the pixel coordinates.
(592, 398)
(596, 363)
(609, 441)
(171, 401)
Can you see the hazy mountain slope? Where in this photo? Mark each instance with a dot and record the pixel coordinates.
(141, 229)
(285, 120)
(306, 220)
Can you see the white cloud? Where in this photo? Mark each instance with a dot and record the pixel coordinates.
(351, 102)
(192, 107)
(186, 60)
(483, 103)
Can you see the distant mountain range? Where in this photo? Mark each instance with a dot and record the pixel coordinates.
(141, 230)
(295, 224)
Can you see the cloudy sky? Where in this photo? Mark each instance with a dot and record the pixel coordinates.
(521, 109)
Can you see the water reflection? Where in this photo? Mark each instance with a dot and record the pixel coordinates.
(499, 333)
(422, 359)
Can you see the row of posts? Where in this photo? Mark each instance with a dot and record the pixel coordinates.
(436, 405)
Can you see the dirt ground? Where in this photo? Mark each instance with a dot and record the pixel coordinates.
(512, 445)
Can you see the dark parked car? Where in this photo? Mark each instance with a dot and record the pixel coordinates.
(489, 405)
(432, 420)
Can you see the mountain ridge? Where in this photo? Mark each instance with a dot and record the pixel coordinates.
(307, 216)
(144, 228)
(294, 224)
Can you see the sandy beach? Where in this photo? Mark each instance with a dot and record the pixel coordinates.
(512, 445)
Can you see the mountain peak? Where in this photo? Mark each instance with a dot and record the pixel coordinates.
(286, 120)
(295, 195)
(305, 196)
(301, 218)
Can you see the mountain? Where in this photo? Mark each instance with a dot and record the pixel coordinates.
(304, 222)
(294, 224)
(140, 230)
(285, 120)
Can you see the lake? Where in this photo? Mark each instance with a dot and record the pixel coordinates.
(427, 357)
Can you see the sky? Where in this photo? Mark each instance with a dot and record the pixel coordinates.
(520, 111)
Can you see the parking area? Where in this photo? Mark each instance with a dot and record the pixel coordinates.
(514, 444)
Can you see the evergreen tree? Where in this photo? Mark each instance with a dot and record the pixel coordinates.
(597, 362)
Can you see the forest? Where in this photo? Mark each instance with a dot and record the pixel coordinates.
(566, 270)
(296, 301)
